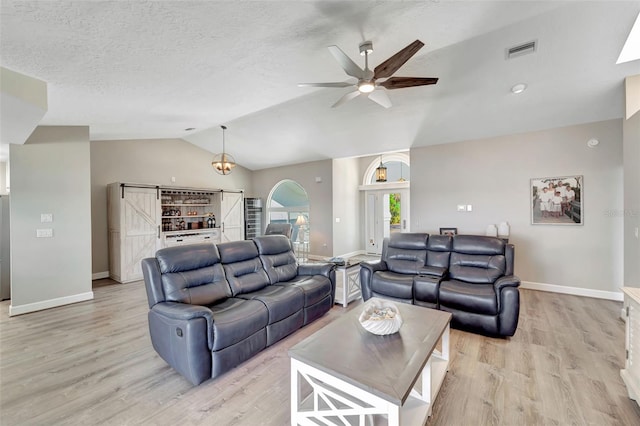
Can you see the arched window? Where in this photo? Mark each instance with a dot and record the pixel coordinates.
(288, 202)
(398, 168)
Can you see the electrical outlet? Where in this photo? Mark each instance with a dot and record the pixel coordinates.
(46, 217)
(462, 208)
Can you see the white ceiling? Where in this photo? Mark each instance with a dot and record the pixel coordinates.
(150, 69)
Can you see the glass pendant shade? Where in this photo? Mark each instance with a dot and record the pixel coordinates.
(223, 163)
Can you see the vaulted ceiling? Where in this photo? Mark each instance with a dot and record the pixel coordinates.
(151, 69)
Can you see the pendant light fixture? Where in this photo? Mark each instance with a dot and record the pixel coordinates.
(381, 172)
(402, 179)
(223, 163)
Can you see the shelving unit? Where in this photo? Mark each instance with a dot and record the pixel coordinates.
(144, 218)
(252, 217)
(189, 216)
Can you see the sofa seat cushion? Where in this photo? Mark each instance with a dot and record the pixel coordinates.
(235, 320)
(477, 298)
(392, 284)
(280, 301)
(314, 287)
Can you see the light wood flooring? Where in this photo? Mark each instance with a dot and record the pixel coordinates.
(93, 363)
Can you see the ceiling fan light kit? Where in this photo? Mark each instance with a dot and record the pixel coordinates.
(368, 83)
(366, 87)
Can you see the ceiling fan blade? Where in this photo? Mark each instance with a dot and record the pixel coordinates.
(346, 98)
(342, 84)
(401, 82)
(380, 97)
(391, 65)
(347, 64)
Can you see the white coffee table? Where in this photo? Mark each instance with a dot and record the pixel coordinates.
(344, 375)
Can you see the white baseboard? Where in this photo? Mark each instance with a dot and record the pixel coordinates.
(47, 304)
(100, 275)
(576, 291)
(353, 253)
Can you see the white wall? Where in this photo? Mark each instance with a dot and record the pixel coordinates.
(152, 162)
(347, 235)
(493, 176)
(631, 130)
(4, 173)
(50, 174)
(320, 198)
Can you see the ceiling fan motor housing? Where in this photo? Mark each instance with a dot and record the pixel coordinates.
(366, 47)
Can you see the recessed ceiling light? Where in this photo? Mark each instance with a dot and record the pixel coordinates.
(592, 143)
(519, 88)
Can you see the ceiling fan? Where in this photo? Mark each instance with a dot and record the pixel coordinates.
(368, 83)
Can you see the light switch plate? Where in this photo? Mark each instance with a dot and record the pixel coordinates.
(44, 233)
(469, 208)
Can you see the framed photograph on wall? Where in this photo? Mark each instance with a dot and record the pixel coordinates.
(449, 231)
(557, 200)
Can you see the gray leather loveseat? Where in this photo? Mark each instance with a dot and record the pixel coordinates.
(470, 276)
(213, 307)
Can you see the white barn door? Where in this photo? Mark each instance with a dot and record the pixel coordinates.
(232, 216)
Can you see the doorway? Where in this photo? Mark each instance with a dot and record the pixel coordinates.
(386, 212)
(386, 203)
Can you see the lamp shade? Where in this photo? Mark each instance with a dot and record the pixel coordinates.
(301, 220)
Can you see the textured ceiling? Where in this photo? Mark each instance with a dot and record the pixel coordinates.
(150, 69)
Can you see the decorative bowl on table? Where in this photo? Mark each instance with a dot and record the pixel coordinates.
(381, 317)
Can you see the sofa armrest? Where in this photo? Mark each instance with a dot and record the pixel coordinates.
(374, 266)
(316, 269)
(186, 312)
(506, 281)
(367, 269)
(434, 271)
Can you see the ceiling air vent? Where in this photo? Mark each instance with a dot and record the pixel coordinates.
(520, 50)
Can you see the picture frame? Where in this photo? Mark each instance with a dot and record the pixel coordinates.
(449, 231)
(557, 200)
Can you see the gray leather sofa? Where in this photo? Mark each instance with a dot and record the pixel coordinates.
(470, 276)
(213, 307)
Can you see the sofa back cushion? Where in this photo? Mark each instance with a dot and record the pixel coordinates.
(278, 259)
(192, 274)
(439, 250)
(477, 259)
(405, 253)
(242, 266)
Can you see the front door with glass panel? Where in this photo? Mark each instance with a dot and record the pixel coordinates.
(387, 212)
